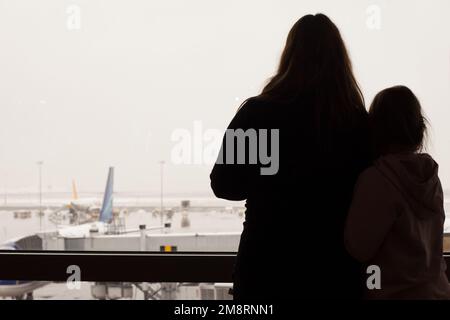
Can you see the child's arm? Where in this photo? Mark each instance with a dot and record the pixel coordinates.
(371, 216)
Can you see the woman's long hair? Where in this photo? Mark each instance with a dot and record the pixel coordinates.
(315, 62)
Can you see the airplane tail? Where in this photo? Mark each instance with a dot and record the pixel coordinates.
(74, 191)
(106, 213)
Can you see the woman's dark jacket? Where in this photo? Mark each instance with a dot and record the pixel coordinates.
(292, 243)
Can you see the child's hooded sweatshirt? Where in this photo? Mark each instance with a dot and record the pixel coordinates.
(396, 222)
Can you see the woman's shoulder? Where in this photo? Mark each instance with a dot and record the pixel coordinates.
(266, 106)
(256, 108)
(253, 104)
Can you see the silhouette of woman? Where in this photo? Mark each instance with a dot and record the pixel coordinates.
(292, 243)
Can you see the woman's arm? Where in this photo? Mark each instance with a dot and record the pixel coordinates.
(371, 216)
(233, 181)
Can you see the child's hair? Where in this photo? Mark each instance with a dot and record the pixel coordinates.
(397, 122)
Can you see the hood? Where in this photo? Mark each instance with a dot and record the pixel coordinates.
(416, 177)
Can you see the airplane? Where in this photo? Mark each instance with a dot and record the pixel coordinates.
(105, 216)
(77, 211)
(88, 205)
(24, 289)
(106, 220)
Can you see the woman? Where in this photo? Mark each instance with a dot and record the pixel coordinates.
(396, 219)
(292, 243)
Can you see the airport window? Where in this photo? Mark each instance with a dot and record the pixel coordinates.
(112, 117)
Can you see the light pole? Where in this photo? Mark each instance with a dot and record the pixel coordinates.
(40, 163)
(162, 192)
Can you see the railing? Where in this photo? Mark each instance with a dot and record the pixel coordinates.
(118, 266)
(122, 266)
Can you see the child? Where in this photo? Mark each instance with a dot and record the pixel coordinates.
(396, 218)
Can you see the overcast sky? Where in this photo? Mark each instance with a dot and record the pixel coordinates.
(89, 84)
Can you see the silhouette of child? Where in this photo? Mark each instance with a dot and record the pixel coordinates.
(396, 218)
